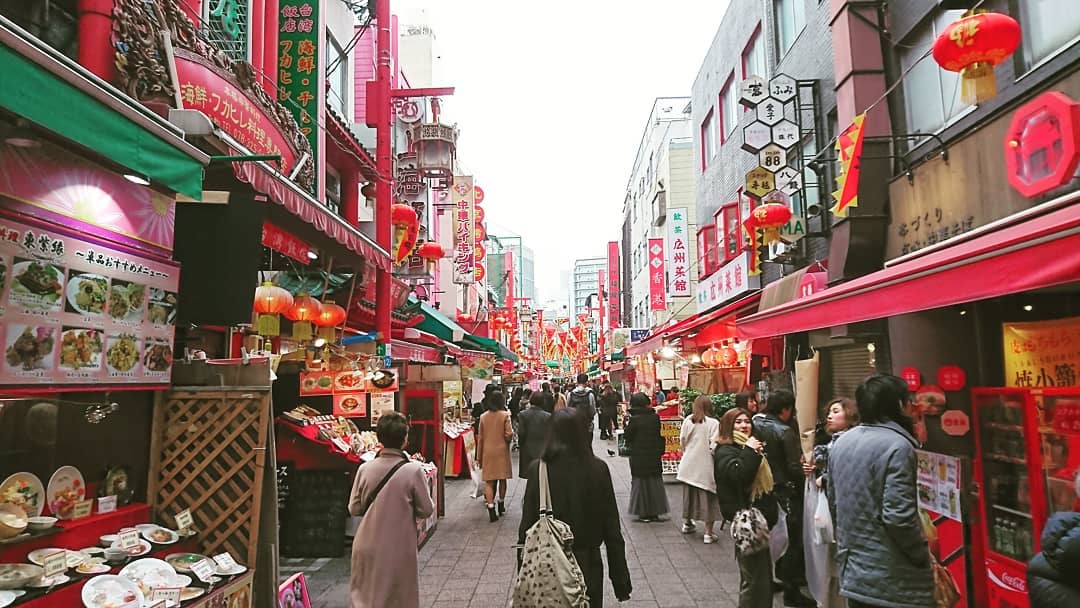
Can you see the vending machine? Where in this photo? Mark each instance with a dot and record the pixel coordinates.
(1027, 444)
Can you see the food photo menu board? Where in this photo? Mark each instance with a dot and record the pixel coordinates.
(74, 311)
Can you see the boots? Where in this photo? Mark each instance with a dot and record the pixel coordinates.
(502, 508)
(494, 517)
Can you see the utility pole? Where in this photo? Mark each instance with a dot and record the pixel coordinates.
(384, 165)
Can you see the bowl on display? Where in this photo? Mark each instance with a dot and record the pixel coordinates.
(13, 576)
(107, 540)
(13, 520)
(41, 523)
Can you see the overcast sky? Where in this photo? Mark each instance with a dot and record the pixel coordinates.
(552, 99)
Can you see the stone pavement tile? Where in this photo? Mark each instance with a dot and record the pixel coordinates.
(488, 600)
(636, 603)
(450, 604)
(454, 595)
(460, 583)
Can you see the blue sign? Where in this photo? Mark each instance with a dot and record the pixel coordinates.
(637, 335)
(387, 361)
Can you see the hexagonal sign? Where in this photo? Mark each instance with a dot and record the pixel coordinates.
(753, 91)
(756, 136)
(759, 182)
(770, 111)
(783, 88)
(772, 157)
(788, 180)
(785, 134)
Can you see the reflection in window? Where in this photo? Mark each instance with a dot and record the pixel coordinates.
(931, 94)
(790, 21)
(1047, 26)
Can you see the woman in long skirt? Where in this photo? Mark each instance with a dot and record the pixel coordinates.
(648, 499)
(699, 434)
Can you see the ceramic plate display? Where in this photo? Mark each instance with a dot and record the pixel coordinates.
(111, 591)
(7, 598)
(239, 569)
(24, 490)
(45, 583)
(190, 593)
(184, 561)
(117, 482)
(93, 551)
(74, 558)
(107, 540)
(182, 580)
(149, 574)
(93, 566)
(140, 549)
(159, 535)
(18, 575)
(66, 489)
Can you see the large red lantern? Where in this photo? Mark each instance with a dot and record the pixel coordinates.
(330, 315)
(729, 357)
(406, 224)
(711, 357)
(303, 312)
(973, 45)
(770, 217)
(271, 301)
(431, 252)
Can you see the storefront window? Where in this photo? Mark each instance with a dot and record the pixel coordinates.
(1047, 28)
(729, 105)
(790, 21)
(931, 94)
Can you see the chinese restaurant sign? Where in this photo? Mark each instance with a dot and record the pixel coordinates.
(733, 279)
(613, 283)
(464, 261)
(412, 189)
(204, 89)
(298, 64)
(1042, 146)
(657, 278)
(678, 227)
(77, 312)
(285, 243)
(1042, 354)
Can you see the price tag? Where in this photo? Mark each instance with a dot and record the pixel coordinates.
(225, 562)
(55, 563)
(83, 509)
(129, 537)
(204, 570)
(170, 596)
(106, 504)
(160, 604)
(183, 519)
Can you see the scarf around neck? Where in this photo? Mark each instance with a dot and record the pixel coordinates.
(763, 481)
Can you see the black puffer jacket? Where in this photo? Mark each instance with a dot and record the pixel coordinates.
(783, 451)
(735, 468)
(1052, 575)
(644, 442)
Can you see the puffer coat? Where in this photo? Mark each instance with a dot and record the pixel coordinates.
(882, 554)
(1052, 574)
(644, 443)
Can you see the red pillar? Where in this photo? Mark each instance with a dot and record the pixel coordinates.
(96, 52)
(256, 38)
(601, 295)
(270, 47)
(383, 163)
(193, 9)
(350, 196)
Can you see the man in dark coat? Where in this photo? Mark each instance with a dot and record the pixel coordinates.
(1051, 574)
(532, 431)
(549, 397)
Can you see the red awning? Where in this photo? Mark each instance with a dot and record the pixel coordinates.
(1033, 254)
(415, 353)
(711, 326)
(423, 337)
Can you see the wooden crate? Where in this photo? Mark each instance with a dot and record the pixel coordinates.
(207, 454)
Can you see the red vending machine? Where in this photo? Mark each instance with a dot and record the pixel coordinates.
(1027, 446)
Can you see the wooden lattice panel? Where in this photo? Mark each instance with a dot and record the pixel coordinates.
(207, 455)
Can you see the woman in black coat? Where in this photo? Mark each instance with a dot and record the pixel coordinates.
(1051, 574)
(583, 497)
(532, 432)
(645, 444)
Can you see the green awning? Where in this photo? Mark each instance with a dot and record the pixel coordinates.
(31, 91)
(488, 345)
(442, 326)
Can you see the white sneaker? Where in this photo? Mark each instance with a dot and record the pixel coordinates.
(710, 539)
(687, 528)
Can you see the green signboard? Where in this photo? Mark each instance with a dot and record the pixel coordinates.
(298, 65)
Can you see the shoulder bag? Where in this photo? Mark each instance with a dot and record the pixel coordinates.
(549, 575)
(374, 494)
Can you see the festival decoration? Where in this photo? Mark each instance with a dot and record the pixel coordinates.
(330, 316)
(271, 301)
(729, 357)
(973, 45)
(436, 149)
(849, 148)
(711, 357)
(406, 230)
(303, 312)
(431, 252)
(770, 217)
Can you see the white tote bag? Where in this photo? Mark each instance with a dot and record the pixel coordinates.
(778, 536)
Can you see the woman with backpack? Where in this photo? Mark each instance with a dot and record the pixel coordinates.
(583, 497)
(648, 499)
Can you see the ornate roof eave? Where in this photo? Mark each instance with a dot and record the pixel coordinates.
(338, 129)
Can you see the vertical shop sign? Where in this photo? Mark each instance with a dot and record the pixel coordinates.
(678, 227)
(613, 283)
(657, 278)
(464, 197)
(412, 189)
(1042, 354)
(298, 65)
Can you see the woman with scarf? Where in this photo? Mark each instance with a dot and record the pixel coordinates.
(744, 480)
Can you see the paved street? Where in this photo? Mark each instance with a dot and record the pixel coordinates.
(469, 562)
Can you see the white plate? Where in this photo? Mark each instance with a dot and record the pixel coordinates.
(182, 580)
(7, 598)
(150, 574)
(66, 488)
(190, 593)
(239, 569)
(113, 591)
(45, 583)
(138, 550)
(24, 490)
(74, 558)
(96, 567)
(170, 536)
(75, 283)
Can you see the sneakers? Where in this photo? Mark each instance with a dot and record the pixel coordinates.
(710, 539)
(688, 527)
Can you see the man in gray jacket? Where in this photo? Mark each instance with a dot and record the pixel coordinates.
(883, 556)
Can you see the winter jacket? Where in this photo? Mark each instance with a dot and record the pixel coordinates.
(609, 404)
(735, 468)
(532, 432)
(644, 442)
(584, 400)
(1052, 575)
(783, 451)
(696, 466)
(882, 555)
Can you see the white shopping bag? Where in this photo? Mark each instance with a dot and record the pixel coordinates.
(823, 524)
(816, 552)
(778, 536)
(478, 479)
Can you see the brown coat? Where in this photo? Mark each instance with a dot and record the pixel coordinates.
(493, 445)
(384, 568)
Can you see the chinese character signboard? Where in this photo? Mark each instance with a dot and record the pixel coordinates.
(678, 252)
(733, 279)
(1042, 354)
(613, 283)
(299, 78)
(464, 196)
(657, 276)
(1042, 147)
(412, 189)
(77, 312)
(285, 243)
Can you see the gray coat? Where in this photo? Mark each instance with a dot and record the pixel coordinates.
(532, 431)
(883, 556)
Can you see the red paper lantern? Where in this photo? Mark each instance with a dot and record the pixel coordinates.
(272, 300)
(330, 315)
(304, 308)
(406, 224)
(711, 357)
(402, 214)
(770, 217)
(973, 45)
(729, 357)
(431, 251)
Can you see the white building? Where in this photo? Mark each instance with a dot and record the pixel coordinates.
(584, 281)
(660, 196)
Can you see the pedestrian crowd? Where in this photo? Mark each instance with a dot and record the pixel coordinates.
(855, 495)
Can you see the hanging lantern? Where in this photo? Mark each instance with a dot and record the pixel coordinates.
(711, 357)
(368, 191)
(973, 45)
(303, 312)
(436, 149)
(770, 217)
(330, 316)
(271, 301)
(729, 357)
(431, 252)
(406, 230)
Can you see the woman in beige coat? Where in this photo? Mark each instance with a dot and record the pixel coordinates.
(384, 568)
(493, 452)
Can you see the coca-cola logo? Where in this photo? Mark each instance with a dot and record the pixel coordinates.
(1016, 582)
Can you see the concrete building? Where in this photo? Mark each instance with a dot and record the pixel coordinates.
(583, 281)
(659, 203)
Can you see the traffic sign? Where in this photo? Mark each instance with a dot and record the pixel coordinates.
(753, 91)
(783, 88)
(785, 134)
(772, 157)
(759, 182)
(756, 136)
